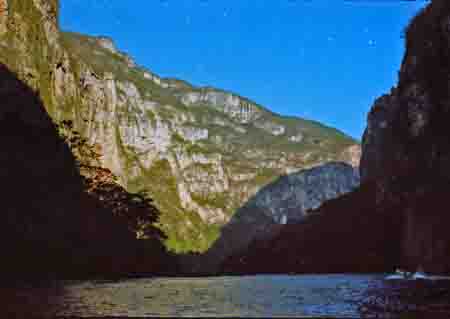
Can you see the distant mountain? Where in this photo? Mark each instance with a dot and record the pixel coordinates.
(199, 152)
(287, 201)
(398, 217)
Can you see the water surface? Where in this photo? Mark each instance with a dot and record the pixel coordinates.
(257, 296)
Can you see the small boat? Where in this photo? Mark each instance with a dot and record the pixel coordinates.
(420, 274)
(399, 275)
(406, 275)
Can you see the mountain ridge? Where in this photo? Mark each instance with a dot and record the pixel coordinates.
(211, 128)
(397, 218)
(176, 82)
(200, 154)
(111, 46)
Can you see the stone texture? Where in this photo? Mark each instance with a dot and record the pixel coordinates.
(107, 43)
(230, 104)
(405, 145)
(398, 217)
(272, 128)
(287, 200)
(60, 215)
(352, 155)
(3, 16)
(296, 138)
(212, 140)
(292, 196)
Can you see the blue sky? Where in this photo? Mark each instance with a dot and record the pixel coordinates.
(318, 59)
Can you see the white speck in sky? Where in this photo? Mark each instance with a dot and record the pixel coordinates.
(372, 42)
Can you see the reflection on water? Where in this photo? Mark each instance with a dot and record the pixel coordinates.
(307, 295)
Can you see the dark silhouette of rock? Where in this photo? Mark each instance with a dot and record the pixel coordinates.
(406, 147)
(287, 200)
(398, 217)
(345, 234)
(56, 222)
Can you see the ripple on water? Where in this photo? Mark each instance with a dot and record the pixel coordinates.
(304, 295)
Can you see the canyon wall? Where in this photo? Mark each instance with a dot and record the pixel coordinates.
(199, 152)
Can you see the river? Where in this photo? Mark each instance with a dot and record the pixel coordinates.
(328, 296)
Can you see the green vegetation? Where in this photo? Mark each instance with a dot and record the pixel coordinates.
(185, 230)
(102, 61)
(265, 176)
(218, 200)
(27, 51)
(33, 33)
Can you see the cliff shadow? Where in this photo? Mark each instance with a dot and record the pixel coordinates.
(286, 201)
(361, 232)
(54, 221)
(345, 234)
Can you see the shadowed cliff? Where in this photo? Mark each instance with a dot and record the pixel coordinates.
(346, 234)
(287, 200)
(54, 221)
(398, 217)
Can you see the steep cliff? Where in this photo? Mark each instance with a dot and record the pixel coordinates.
(287, 200)
(398, 217)
(406, 147)
(345, 234)
(60, 215)
(201, 153)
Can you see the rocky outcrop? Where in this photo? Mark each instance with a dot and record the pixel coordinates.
(236, 107)
(405, 146)
(288, 200)
(107, 43)
(272, 128)
(351, 155)
(345, 234)
(208, 138)
(412, 117)
(397, 217)
(60, 217)
(296, 138)
(291, 197)
(199, 152)
(3, 16)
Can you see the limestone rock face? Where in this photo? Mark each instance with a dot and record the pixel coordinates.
(234, 106)
(107, 43)
(352, 155)
(288, 200)
(272, 128)
(291, 196)
(296, 138)
(199, 152)
(61, 216)
(3, 16)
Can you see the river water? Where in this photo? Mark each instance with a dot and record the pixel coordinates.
(260, 296)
